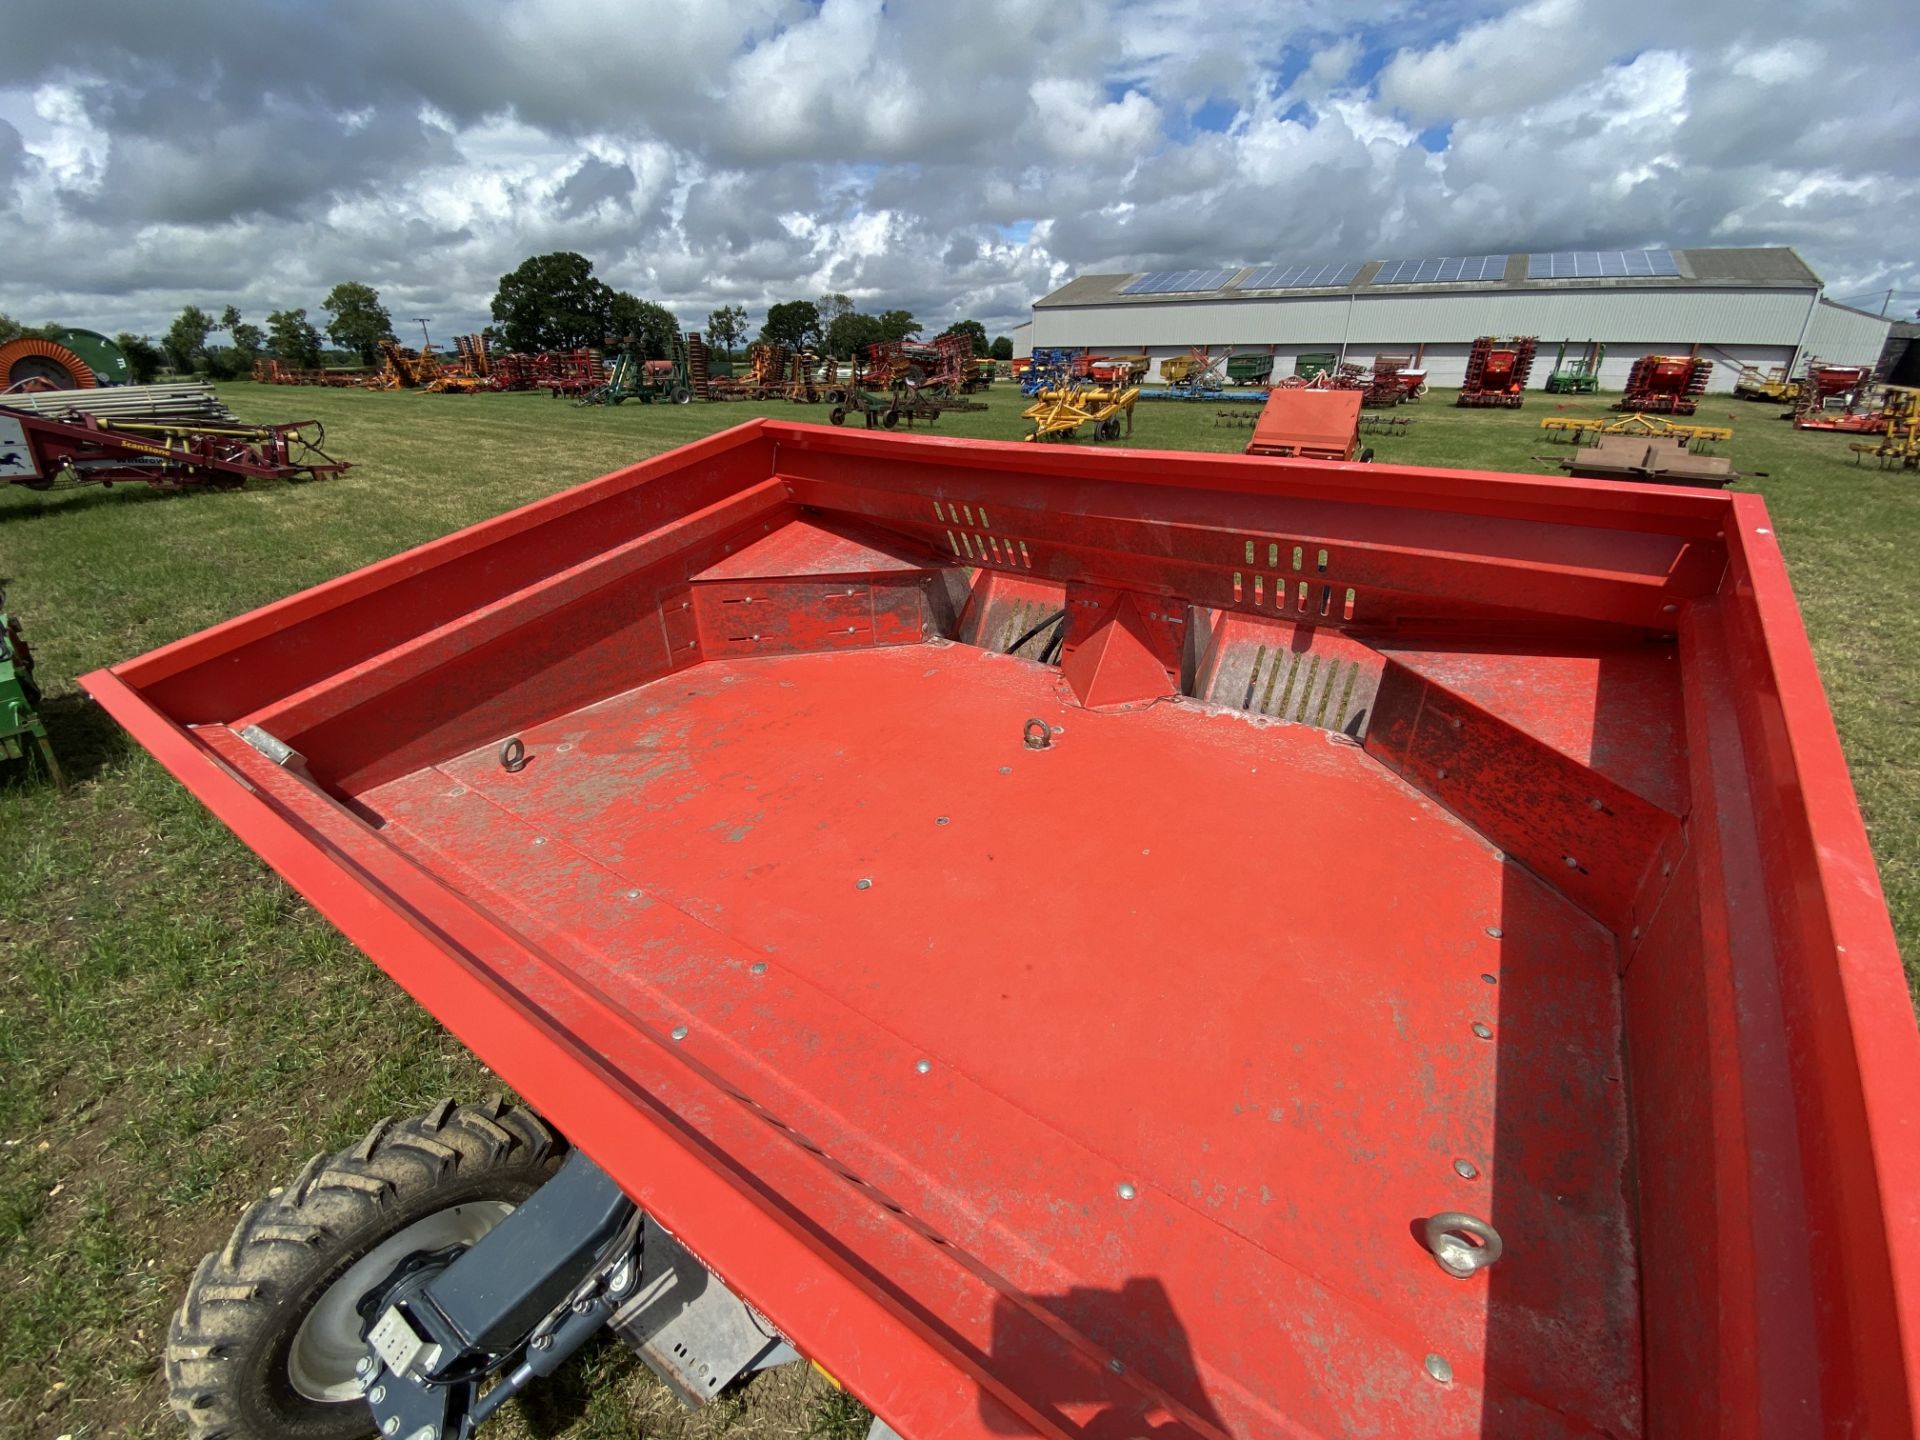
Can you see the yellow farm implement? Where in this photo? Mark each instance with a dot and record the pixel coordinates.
(1653, 426)
(1059, 414)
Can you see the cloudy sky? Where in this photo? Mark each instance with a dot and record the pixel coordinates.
(953, 157)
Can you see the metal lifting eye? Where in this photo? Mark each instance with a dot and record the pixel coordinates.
(1038, 734)
(513, 756)
(1458, 1257)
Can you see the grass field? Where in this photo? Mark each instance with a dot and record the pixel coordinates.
(178, 1030)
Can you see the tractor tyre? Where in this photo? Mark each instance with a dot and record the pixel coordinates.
(838, 415)
(681, 395)
(890, 419)
(264, 1345)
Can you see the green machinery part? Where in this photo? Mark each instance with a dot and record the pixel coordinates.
(103, 357)
(20, 723)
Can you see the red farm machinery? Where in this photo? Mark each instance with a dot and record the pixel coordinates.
(169, 436)
(1080, 943)
(1666, 384)
(1497, 371)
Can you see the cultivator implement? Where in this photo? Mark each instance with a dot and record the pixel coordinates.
(1666, 384)
(1061, 414)
(50, 451)
(1655, 427)
(1497, 371)
(23, 733)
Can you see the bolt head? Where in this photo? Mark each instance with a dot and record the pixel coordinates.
(1491, 979)
(863, 884)
(391, 1426)
(1483, 1030)
(679, 1032)
(923, 1066)
(940, 820)
(1125, 1190)
(1495, 931)
(363, 1366)
(1439, 1369)
(759, 967)
(1117, 1365)
(1465, 1169)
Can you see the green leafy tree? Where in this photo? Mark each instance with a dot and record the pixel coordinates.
(245, 338)
(727, 327)
(356, 320)
(633, 321)
(144, 358)
(851, 333)
(10, 328)
(973, 330)
(552, 302)
(186, 338)
(897, 325)
(794, 324)
(292, 337)
(1002, 348)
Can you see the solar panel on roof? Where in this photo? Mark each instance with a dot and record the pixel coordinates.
(1601, 264)
(1442, 270)
(1173, 282)
(1301, 277)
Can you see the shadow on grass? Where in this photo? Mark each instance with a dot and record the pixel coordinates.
(85, 741)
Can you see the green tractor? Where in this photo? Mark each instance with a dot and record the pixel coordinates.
(20, 723)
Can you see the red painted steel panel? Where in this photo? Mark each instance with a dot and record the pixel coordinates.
(951, 1242)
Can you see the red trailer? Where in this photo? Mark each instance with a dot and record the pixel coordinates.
(1412, 967)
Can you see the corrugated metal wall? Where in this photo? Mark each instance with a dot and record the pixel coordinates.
(1753, 326)
(1846, 337)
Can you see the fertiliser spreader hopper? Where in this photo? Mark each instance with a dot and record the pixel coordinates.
(1410, 966)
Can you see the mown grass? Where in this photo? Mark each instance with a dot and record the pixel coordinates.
(178, 1031)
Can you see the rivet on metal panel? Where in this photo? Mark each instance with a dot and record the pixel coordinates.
(564, 746)
(1125, 1190)
(1491, 979)
(1117, 1365)
(539, 839)
(1500, 855)
(633, 894)
(863, 884)
(759, 967)
(1441, 773)
(941, 820)
(1483, 1030)
(1439, 1369)
(1465, 1169)
(923, 1066)
(1006, 769)
(679, 1032)
(1495, 931)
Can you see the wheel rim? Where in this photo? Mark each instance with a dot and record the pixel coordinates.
(327, 1346)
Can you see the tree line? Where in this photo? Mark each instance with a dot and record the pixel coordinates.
(547, 302)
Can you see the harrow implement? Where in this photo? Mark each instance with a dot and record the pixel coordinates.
(1059, 414)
